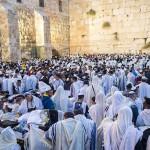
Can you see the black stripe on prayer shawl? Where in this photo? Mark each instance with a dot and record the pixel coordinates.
(93, 137)
(106, 109)
(53, 133)
(85, 133)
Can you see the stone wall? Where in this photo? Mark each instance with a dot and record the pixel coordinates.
(9, 39)
(60, 34)
(129, 28)
(26, 31)
(34, 31)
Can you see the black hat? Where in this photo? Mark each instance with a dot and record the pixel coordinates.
(147, 100)
(78, 106)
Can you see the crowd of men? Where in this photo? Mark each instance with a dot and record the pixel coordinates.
(88, 102)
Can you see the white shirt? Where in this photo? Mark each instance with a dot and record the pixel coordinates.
(36, 102)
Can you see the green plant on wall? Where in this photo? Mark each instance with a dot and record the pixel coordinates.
(116, 36)
(83, 36)
(24, 59)
(147, 45)
(106, 24)
(91, 12)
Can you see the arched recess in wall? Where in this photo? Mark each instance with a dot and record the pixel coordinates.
(42, 27)
(55, 53)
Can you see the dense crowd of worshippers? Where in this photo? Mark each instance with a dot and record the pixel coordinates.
(88, 102)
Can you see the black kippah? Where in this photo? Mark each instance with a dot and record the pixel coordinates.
(147, 100)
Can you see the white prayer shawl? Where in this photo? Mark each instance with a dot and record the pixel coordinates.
(10, 86)
(37, 117)
(143, 118)
(61, 100)
(131, 77)
(35, 101)
(70, 135)
(83, 90)
(80, 83)
(110, 98)
(143, 90)
(5, 84)
(122, 80)
(93, 90)
(121, 134)
(111, 82)
(32, 82)
(105, 79)
(117, 104)
(92, 74)
(8, 140)
(1, 113)
(130, 139)
(51, 79)
(15, 108)
(95, 84)
(38, 75)
(76, 89)
(35, 140)
(88, 95)
(88, 125)
(57, 83)
(8, 116)
(24, 80)
(128, 101)
(20, 89)
(148, 89)
(24, 117)
(97, 112)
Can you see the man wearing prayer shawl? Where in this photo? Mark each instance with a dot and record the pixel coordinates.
(18, 87)
(10, 84)
(84, 89)
(46, 99)
(61, 100)
(131, 102)
(143, 88)
(97, 111)
(57, 82)
(8, 140)
(144, 117)
(120, 134)
(131, 77)
(5, 83)
(117, 104)
(82, 103)
(74, 88)
(112, 80)
(89, 125)
(23, 77)
(105, 79)
(32, 82)
(30, 103)
(92, 90)
(8, 115)
(67, 134)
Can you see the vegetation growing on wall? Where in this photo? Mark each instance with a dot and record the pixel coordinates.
(83, 36)
(91, 12)
(116, 36)
(24, 59)
(106, 24)
(147, 45)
